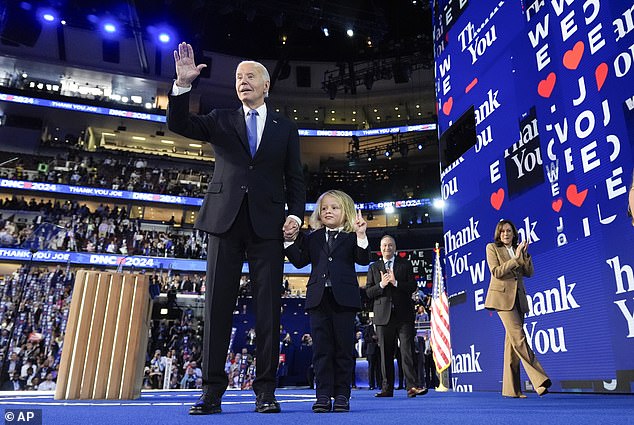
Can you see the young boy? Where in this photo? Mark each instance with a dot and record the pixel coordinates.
(332, 294)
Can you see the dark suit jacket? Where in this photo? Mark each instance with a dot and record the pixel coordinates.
(400, 297)
(338, 265)
(272, 178)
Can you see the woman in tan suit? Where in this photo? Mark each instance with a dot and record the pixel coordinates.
(509, 262)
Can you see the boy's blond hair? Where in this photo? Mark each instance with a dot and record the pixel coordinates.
(347, 208)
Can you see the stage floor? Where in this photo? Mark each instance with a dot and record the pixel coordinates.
(170, 407)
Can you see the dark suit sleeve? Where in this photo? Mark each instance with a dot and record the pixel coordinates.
(362, 255)
(294, 176)
(298, 253)
(180, 121)
(408, 284)
(372, 287)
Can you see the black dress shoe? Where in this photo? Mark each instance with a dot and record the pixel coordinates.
(206, 405)
(266, 403)
(342, 404)
(384, 393)
(322, 405)
(414, 391)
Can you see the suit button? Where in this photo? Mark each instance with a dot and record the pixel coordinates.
(329, 258)
(323, 275)
(250, 167)
(243, 187)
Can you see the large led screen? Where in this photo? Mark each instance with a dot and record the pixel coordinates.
(550, 86)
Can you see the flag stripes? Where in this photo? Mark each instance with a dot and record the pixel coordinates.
(440, 336)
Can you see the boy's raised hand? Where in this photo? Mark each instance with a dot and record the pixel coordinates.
(360, 226)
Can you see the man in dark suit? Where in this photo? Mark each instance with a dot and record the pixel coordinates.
(14, 384)
(373, 355)
(390, 284)
(257, 171)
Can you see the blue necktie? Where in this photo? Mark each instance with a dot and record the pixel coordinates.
(252, 131)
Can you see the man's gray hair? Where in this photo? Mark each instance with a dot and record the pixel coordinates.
(263, 71)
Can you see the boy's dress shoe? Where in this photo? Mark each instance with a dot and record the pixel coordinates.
(342, 404)
(322, 405)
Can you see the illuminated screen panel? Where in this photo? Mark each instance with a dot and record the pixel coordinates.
(551, 87)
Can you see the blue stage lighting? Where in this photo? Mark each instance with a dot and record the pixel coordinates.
(109, 27)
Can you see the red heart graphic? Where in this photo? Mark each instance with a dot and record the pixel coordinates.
(402, 254)
(545, 87)
(471, 85)
(601, 73)
(573, 56)
(576, 198)
(446, 108)
(557, 204)
(497, 198)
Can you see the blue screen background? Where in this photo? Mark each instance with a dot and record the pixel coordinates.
(582, 241)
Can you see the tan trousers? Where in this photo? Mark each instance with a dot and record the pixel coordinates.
(516, 348)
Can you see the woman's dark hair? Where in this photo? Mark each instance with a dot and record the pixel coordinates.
(498, 230)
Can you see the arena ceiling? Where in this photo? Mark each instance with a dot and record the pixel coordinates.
(271, 29)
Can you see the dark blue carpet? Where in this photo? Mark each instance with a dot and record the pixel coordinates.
(170, 407)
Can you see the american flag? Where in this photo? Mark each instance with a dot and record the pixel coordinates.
(440, 341)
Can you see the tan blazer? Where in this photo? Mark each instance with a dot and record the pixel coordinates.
(507, 279)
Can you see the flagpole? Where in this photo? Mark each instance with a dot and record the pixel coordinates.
(443, 375)
(443, 381)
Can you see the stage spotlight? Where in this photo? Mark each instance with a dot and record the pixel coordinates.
(350, 32)
(324, 29)
(389, 209)
(420, 146)
(47, 15)
(438, 204)
(164, 34)
(109, 27)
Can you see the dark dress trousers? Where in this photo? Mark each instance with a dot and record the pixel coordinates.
(373, 355)
(331, 308)
(243, 211)
(394, 317)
